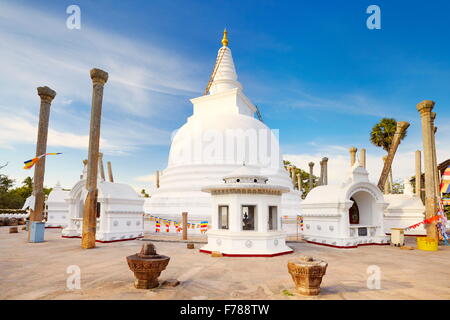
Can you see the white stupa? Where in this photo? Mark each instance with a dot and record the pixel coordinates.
(218, 138)
(57, 208)
(404, 210)
(345, 215)
(119, 211)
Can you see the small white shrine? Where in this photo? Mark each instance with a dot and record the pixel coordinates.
(57, 208)
(245, 216)
(120, 211)
(346, 215)
(404, 210)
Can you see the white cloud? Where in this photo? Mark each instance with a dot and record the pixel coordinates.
(37, 49)
(147, 182)
(339, 162)
(356, 103)
(147, 178)
(20, 129)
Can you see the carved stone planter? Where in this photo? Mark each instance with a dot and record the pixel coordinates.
(307, 274)
(147, 266)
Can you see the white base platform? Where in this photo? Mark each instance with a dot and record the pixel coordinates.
(404, 222)
(247, 243)
(350, 242)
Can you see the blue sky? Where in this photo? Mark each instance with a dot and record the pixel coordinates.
(315, 70)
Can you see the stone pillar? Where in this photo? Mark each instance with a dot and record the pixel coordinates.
(185, 225)
(433, 141)
(325, 171)
(99, 78)
(352, 151)
(311, 165)
(321, 173)
(362, 156)
(418, 174)
(425, 107)
(84, 174)
(399, 131)
(110, 174)
(101, 167)
(157, 178)
(299, 181)
(387, 185)
(293, 177)
(47, 95)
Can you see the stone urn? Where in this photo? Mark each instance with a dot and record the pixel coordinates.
(147, 266)
(307, 274)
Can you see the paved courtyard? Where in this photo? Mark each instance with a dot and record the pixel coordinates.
(39, 271)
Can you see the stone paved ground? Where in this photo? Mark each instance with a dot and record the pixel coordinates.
(38, 271)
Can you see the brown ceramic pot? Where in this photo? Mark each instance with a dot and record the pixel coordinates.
(147, 266)
(307, 274)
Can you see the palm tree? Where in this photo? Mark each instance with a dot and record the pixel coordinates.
(382, 134)
(28, 182)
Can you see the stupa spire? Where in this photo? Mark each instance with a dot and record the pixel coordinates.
(224, 76)
(225, 39)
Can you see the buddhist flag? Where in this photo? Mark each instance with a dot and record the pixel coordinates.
(203, 226)
(445, 184)
(30, 163)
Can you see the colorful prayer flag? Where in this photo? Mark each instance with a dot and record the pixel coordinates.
(445, 184)
(30, 163)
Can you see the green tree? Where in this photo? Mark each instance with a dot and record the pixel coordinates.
(9, 199)
(28, 182)
(382, 135)
(14, 198)
(5, 183)
(383, 132)
(397, 187)
(304, 176)
(144, 193)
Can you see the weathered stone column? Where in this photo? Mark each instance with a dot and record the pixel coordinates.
(293, 177)
(321, 173)
(47, 95)
(311, 165)
(362, 158)
(399, 131)
(185, 225)
(157, 178)
(352, 151)
(84, 174)
(418, 173)
(325, 171)
(425, 107)
(110, 173)
(100, 164)
(433, 141)
(99, 78)
(387, 184)
(299, 181)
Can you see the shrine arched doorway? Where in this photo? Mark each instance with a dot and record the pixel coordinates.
(353, 212)
(361, 211)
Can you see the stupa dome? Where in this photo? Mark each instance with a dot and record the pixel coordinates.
(217, 139)
(205, 140)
